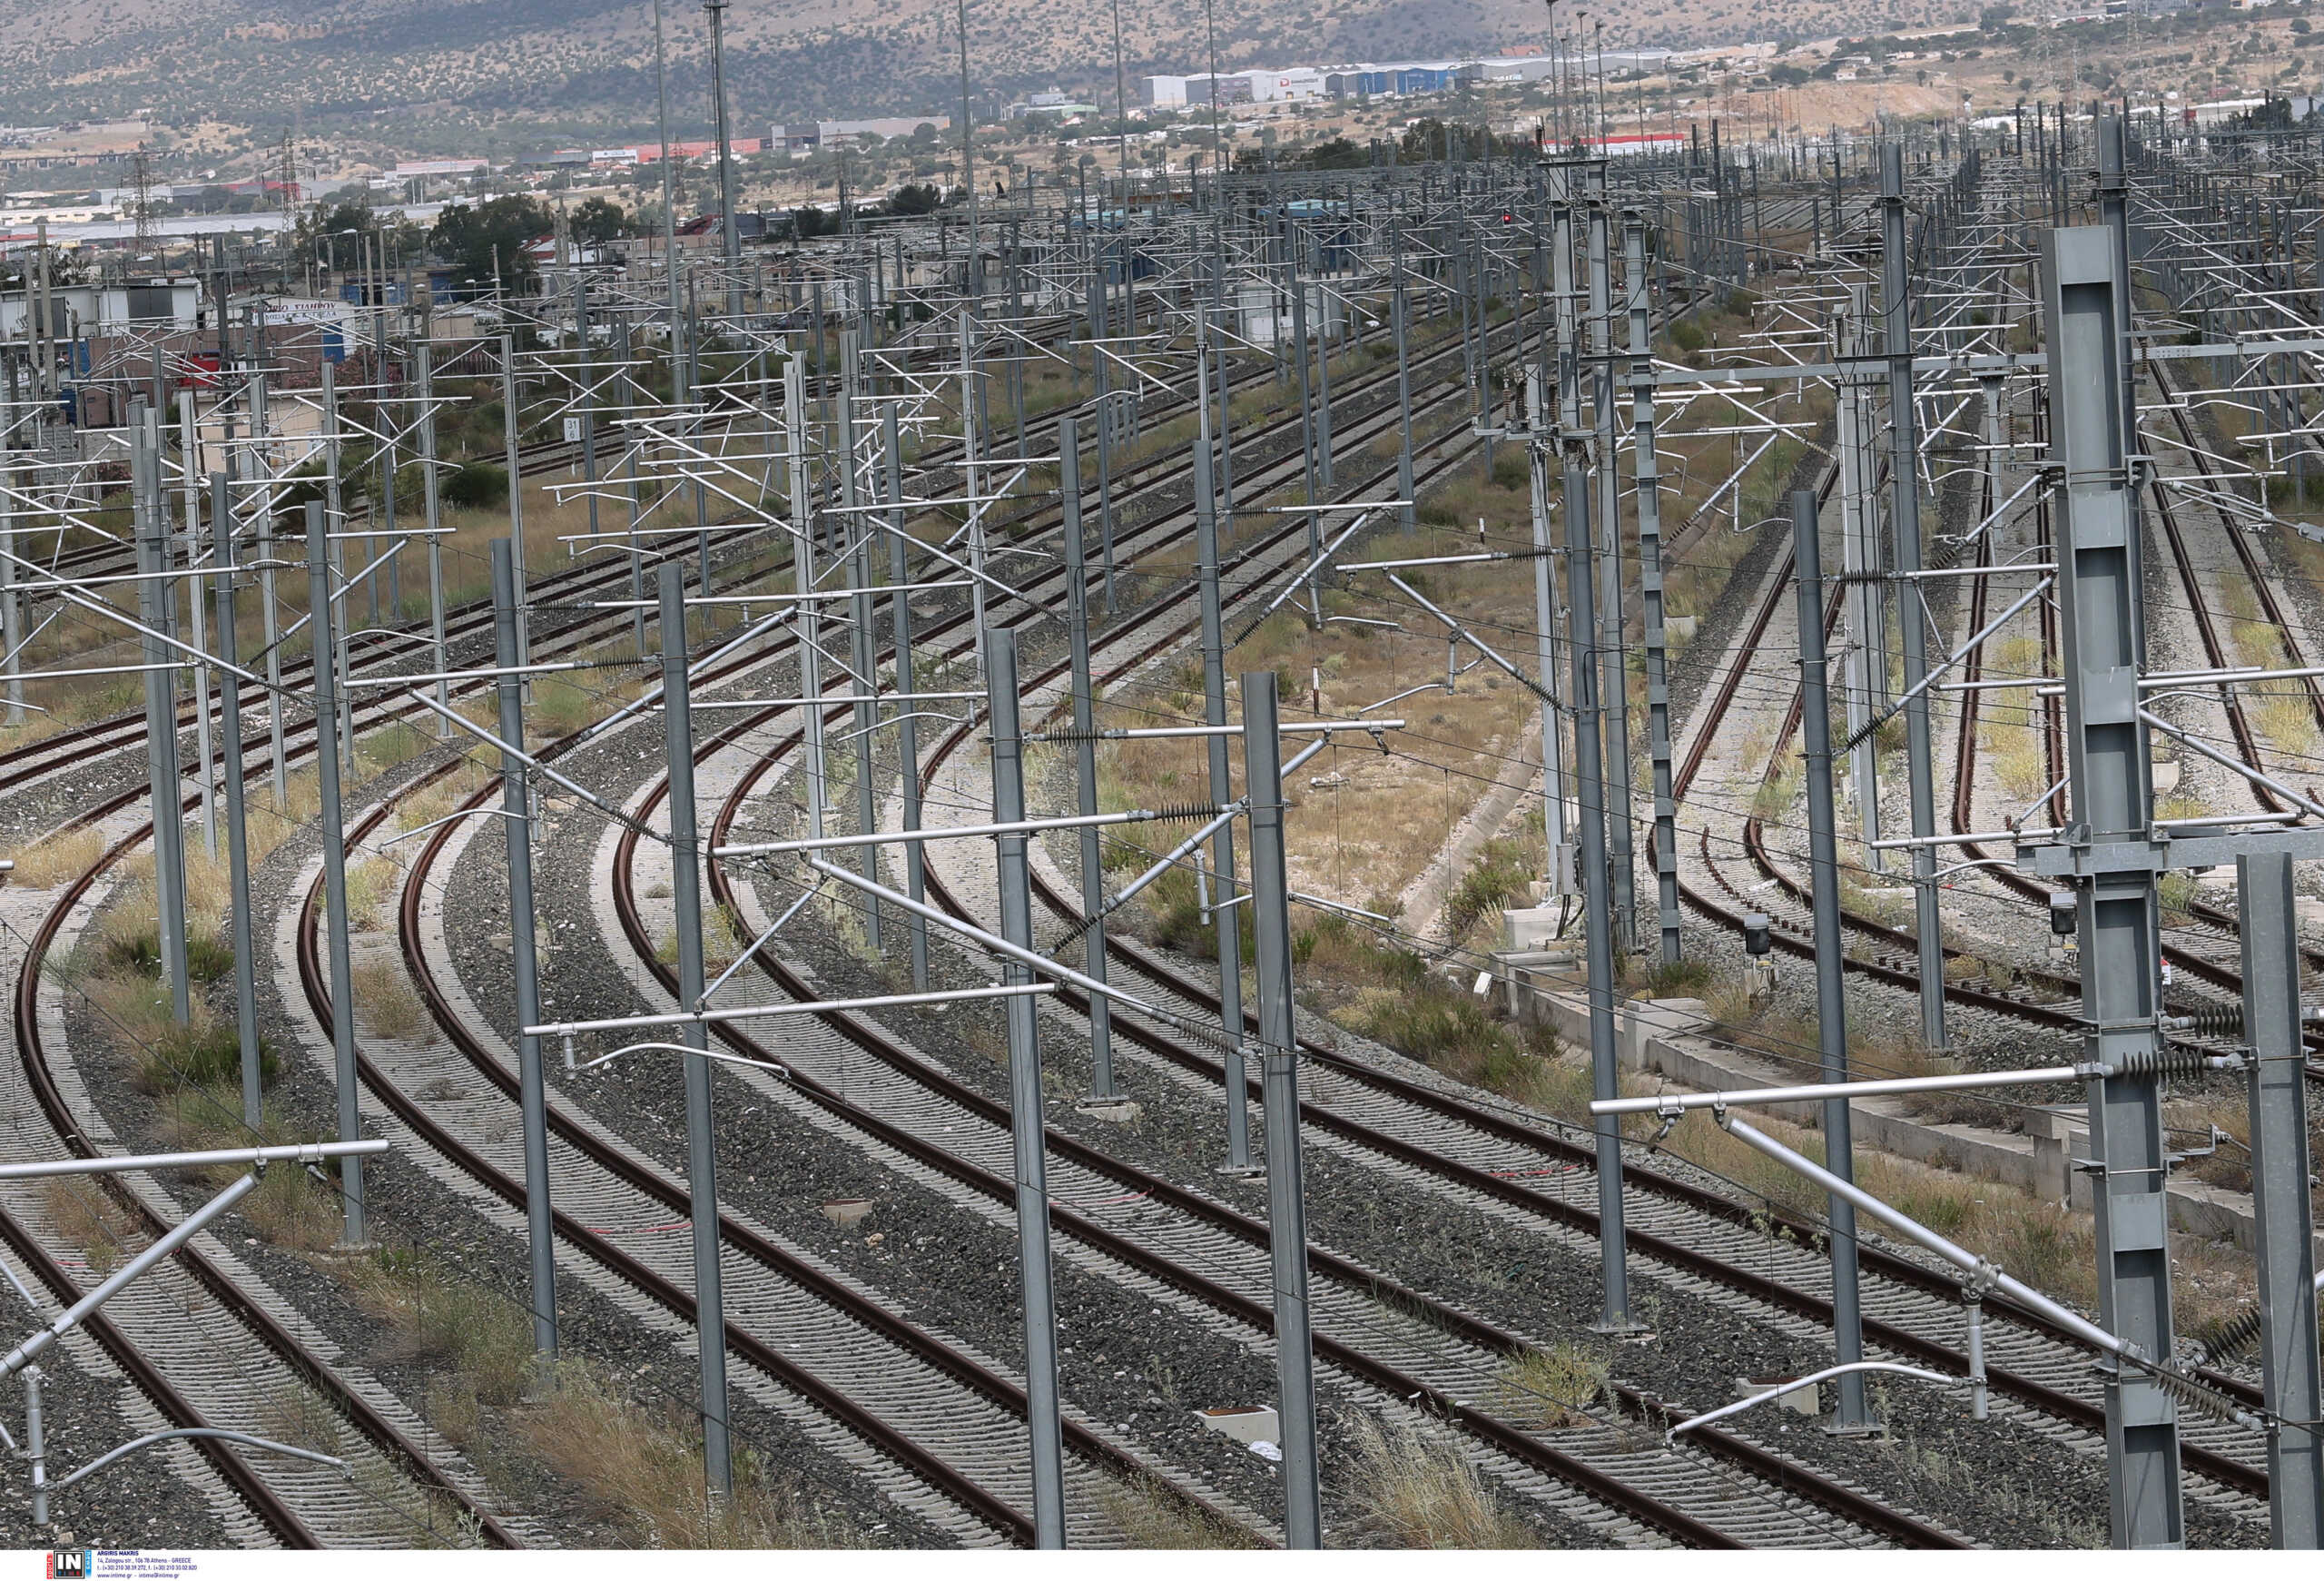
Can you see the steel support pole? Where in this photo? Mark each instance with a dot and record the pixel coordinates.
(1026, 1105)
(1223, 374)
(907, 727)
(729, 235)
(189, 459)
(702, 1167)
(1398, 313)
(1598, 933)
(637, 502)
(1545, 661)
(1307, 411)
(1214, 712)
(432, 503)
(356, 1232)
(238, 851)
(1295, 1360)
(163, 778)
(269, 627)
(515, 808)
(35, 1445)
(12, 604)
(2283, 1222)
(854, 532)
(1323, 392)
(1912, 617)
(1831, 993)
(2101, 607)
(1614, 688)
(386, 513)
(1102, 1087)
(511, 427)
(1649, 476)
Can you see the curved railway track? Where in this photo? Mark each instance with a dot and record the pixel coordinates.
(1230, 1231)
(88, 746)
(2046, 1372)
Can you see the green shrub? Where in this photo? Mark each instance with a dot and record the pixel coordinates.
(477, 486)
(204, 1055)
(1678, 979)
(207, 958)
(1498, 877)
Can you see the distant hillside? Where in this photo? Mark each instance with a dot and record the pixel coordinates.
(438, 72)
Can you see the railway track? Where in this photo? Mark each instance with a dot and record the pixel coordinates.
(256, 1356)
(2048, 1375)
(96, 748)
(1107, 1178)
(638, 1180)
(97, 745)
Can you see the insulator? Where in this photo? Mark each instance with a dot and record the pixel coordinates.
(2236, 1336)
(1185, 812)
(2163, 1062)
(2200, 1397)
(2218, 1019)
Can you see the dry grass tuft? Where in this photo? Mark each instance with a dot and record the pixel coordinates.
(291, 1207)
(59, 859)
(1552, 1387)
(1153, 1518)
(386, 1000)
(722, 939)
(644, 1465)
(86, 1215)
(435, 1316)
(371, 884)
(1417, 1492)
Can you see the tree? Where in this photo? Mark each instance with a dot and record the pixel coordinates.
(599, 221)
(1338, 153)
(914, 199)
(472, 240)
(317, 236)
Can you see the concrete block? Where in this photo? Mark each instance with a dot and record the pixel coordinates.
(2056, 1135)
(1244, 1424)
(1529, 976)
(1641, 1020)
(1530, 929)
(847, 1212)
(1804, 1400)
